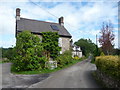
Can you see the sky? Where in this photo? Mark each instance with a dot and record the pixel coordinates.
(81, 19)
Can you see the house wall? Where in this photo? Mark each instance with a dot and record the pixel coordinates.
(65, 43)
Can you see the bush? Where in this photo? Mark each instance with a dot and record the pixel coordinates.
(76, 58)
(64, 58)
(28, 53)
(109, 65)
(102, 54)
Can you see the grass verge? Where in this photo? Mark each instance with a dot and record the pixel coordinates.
(46, 70)
(0, 62)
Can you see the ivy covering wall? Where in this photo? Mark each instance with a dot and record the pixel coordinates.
(50, 44)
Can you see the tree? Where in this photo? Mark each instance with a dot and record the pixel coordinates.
(8, 53)
(50, 44)
(107, 37)
(87, 46)
(28, 53)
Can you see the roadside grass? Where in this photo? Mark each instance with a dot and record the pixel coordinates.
(0, 62)
(46, 70)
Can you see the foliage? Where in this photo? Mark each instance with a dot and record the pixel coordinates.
(28, 53)
(109, 65)
(87, 46)
(50, 42)
(64, 58)
(107, 37)
(7, 53)
(97, 51)
(102, 54)
(76, 58)
(47, 70)
(116, 51)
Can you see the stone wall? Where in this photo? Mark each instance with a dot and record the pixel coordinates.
(107, 80)
(65, 44)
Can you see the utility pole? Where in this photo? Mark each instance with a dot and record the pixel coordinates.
(96, 46)
(96, 39)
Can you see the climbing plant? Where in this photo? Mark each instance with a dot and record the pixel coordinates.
(50, 44)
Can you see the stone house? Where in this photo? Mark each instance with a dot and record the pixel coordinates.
(36, 27)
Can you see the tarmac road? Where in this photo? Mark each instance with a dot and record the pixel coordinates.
(76, 76)
(10, 80)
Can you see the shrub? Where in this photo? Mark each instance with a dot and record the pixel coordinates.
(64, 58)
(102, 54)
(76, 58)
(28, 51)
(109, 65)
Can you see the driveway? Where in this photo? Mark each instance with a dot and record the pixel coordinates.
(76, 76)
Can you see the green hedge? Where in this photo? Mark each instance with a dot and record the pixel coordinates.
(109, 65)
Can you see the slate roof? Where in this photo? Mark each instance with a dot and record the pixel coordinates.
(36, 26)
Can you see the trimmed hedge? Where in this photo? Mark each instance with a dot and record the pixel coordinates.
(109, 65)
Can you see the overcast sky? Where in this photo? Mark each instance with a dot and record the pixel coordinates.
(81, 19)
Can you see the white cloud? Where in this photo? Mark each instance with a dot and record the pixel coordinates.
(80, 20)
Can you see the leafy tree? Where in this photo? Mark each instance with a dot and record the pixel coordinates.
(28, 52)
(107, 37)
(7, 53)
(87, 46)
(50, 44)
(97, 51)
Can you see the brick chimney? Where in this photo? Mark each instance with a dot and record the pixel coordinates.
(18, 14)
(61, 21)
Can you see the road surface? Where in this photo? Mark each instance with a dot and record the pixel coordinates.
(10, 80)
(76, 76)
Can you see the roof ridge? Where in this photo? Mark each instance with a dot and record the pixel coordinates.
(39, 20)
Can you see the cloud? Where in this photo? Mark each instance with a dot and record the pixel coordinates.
(82, 20)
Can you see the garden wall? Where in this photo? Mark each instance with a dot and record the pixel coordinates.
(107, 80)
